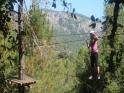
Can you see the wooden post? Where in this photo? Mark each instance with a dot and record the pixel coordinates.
(22, 80)
(21, 41)
(21, 89)
(21, 44)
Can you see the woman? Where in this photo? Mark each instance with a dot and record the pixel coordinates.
(93, 46)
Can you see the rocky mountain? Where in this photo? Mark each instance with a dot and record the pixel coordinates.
(70, 33)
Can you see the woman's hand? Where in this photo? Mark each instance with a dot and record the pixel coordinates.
(95, 36)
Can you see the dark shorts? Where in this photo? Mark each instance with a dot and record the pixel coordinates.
(94, 59)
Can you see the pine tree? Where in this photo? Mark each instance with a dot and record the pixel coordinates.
(113, 43)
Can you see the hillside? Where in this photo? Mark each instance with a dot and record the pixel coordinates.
(69, 32)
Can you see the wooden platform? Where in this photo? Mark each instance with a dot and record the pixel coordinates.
(25, 82)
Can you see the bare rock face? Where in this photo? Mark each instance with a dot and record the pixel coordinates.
(66, 29)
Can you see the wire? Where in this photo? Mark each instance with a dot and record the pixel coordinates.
(60, 35)
(66, 42)
(81, 34)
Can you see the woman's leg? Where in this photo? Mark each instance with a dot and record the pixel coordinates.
(97, 66)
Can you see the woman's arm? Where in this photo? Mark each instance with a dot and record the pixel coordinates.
(95, 36)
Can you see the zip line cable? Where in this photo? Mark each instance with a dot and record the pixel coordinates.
(80, 40)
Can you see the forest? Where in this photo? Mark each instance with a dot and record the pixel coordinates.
(29, 51)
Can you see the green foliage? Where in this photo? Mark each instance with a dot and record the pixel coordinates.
(57, 75)
(5, 7)
(40, 25)
(59, 72)
(8, 46)
(8, 57)
(54, 72)
(113, 47)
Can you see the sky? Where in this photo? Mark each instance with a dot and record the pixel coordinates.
(89, 7)
(85, 7)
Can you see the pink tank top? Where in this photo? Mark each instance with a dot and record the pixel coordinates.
(94, 47)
